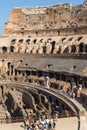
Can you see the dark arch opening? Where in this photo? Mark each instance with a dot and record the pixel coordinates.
(21, 41)
(11, 49)
(59, 50)
(4, 49)
(28, 41)
(13, 41)
(66, 50)
(9, 65)
(35, 40)
(53, 46)
(85, 48)
(81, 45)
(73, 49)
(44, 49)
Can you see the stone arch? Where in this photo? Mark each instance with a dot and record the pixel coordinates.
(31, 52)
(34, 41)
(59, 50)
(20, 41)
(81, 46)
(66, 50)
(37, 51)
(4, 49)
(28, 41)
(9, 63)
(53, 46)
(12, 49)
(44, 49)
(13, 41)
(9, 67)
(85, 48)
(73, 49)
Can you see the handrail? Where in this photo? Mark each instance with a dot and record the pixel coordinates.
(4, 120)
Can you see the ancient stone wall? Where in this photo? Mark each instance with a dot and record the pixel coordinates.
(36, 21)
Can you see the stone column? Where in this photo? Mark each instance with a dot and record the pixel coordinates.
(77, 49)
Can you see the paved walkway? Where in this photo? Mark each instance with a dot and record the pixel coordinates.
(67, 123)
(14, 126)
(62, 124)
(83, 125)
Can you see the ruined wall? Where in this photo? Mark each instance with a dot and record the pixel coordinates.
(34, 21)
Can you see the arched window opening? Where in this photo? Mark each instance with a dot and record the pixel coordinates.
(37, 51)
(79, 38)
(13, 41)
(11, 69)
(15, 72)
(66, 50)
(71, 39)
(22, 33)
(28, 41)
(31, 52)
(85, 48)
(63, 39)
(81, 45)
(73, 49)
(58, 33)
(9, 65)
(44, 49)
(53, 46)
(34, 41)
(21, 41)
(27, 73)
(59, 50)
(23, 74)
(12, 49)
(19, 72)
(4, 50)
(41, 40)
(36, 33)
(75, 31)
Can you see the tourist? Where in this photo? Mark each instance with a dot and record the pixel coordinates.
(54, 124)
(49, 126)
(28, 127)
(73, 95)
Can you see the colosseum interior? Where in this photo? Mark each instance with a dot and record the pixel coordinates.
(43, 61)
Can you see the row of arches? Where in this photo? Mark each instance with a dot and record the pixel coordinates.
(81, 48)
(41, 40)
(5, 49)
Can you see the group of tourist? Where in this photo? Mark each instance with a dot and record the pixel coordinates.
(43, 123)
